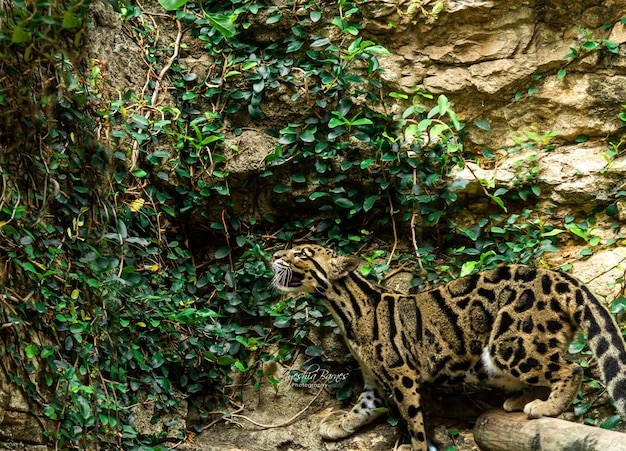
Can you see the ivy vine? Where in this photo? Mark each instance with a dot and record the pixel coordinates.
(109, 296)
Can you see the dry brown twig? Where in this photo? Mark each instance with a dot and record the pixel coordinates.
(240, 408)
(157, 88)
(284, 423)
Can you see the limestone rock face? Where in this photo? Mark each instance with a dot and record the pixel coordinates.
(573, 176)
(499, 61)
(17, 424)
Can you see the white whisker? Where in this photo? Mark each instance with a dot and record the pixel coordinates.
(282, 276)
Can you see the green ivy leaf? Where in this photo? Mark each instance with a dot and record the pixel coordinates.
(168, 210)
(443, 103)
(369, 202)
(362, 121)
(70, 20)
(611, 422)
(222, 252)
(294, 46)
(367, 163)
(255, 112)
(280, 188)
(352, 30)
(335, 122)
(189, 95)
(140, 121)
(576, 230)
(398, 95)
(433, 218)
(582, 408)
(575, 347)
(344, 393)
(50, 412)
(498, 201)
(393, 421)
(590, 45)
(455, 120)
(377, 49)
(31, 351)
(273, 19)
(314, 351)
(320, 42)
(483, 124)
(258, 86)
(344, 203)
(618, 305)
(487, 153)
(171, 5)
(222, 23)
(308, 135)
(552, 232)
(582, 138)
(157, 359)
(612, 210)
(316, 195)
(411, 131)
(225, 360)
(28, 266)
(20, 35)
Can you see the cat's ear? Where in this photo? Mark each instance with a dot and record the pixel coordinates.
(342, 266)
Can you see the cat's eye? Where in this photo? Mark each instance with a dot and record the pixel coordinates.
(301, 255)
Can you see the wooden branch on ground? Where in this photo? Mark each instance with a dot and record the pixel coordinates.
(497, 430)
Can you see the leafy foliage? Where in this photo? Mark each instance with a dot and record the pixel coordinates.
(131, 271)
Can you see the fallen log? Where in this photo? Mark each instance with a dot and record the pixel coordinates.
(497, 430)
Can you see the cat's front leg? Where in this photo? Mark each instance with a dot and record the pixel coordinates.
(340, 424)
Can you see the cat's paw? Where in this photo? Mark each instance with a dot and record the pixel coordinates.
(518, 402)
(332, 427)
(431, 447)
(539, 408)
(515, 403)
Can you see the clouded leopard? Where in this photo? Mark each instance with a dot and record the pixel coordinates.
(507, 326)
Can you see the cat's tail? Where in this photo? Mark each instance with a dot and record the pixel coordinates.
(606, 343)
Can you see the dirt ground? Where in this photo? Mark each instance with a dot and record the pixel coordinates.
(288, 419)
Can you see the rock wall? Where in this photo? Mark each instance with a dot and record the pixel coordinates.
(512, 64)
(499, 61)
(487, 55)
(19, 428)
